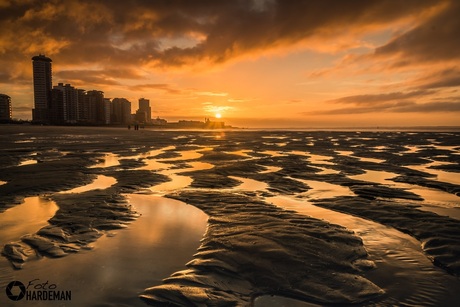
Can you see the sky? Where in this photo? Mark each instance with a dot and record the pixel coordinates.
(257, 63)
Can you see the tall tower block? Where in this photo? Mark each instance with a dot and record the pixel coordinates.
(144, 106)
(42, 77)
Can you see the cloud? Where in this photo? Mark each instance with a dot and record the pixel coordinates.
(135, 32)
(417, 101)
(445, 78)
(212, 94)
(395, 107)
(375, 99)
(217, 109)
(157, 86)
(432, 41)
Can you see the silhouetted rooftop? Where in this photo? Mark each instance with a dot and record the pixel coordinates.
(41, 57)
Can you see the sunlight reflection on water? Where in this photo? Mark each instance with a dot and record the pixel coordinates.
(431, 196)
(101, 182)
(395, 253)
(25, 218)
(119, 267)
(109, 160)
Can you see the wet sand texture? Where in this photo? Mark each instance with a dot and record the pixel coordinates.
(440, 235)
(252, 247)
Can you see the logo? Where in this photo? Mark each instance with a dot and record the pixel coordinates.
(15, 290)
(36, 291)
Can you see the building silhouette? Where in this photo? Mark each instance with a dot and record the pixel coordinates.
(121, 111)
(83, 107)
(42, 79)
(56, 109)
(144, 113)
(96, 104)
(5, 108)
(69, 102)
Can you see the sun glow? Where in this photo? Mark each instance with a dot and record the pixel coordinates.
(218, 115)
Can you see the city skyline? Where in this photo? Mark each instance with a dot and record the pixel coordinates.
(261, 63)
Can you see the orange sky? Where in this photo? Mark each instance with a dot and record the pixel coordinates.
(259, 63)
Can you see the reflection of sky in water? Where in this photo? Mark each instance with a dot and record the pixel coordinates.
(442, 176)
(345, 152)
(249, 184)
(320, 159)
(270, 169)
(3, 182)
(364, 159)
(28, 162)
(273, 153)
(327, 171)
(320, 189)
(275, 144)
(373, 160)
(25, 218)
(109, 160)
(101, 182)
(395, 253)
(177, 182)
(153, 165)
(242, 153)
(430, 196)
(157, 244)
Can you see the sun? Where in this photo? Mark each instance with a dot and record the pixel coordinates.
(218, 115)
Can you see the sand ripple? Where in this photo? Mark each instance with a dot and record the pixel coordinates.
(252, 247)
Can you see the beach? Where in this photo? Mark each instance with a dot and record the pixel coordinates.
(231, 217)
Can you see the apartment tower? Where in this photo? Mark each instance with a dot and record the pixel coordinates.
(144, 106)
(42, 77)
(5, 107)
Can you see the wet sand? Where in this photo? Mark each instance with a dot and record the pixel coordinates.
(265, 243)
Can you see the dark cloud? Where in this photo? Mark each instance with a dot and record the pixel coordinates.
(85, 77)
(396, 107)
(132, 32)
(432, 41)
(441, 79)
(395, 102)
(95, 77)
(4, 77)
(376, 99)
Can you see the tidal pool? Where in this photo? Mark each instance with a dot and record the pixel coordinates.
(28, 162)
(109, 160)
(25, 218)
(101, 182)
(121, 265)
(432, 197)
(398, 257)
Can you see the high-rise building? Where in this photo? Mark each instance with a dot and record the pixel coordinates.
(144, 106)
(56, 109)
(95, 101)
(107, 110)
(42, 78)
(121, 111)
(5, 108)
(70, 102)
(83, 106)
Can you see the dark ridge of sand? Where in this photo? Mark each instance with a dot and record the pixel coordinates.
(440, 235)
(82, 216)
(253, 248)
(438, 185)
(50, 176)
